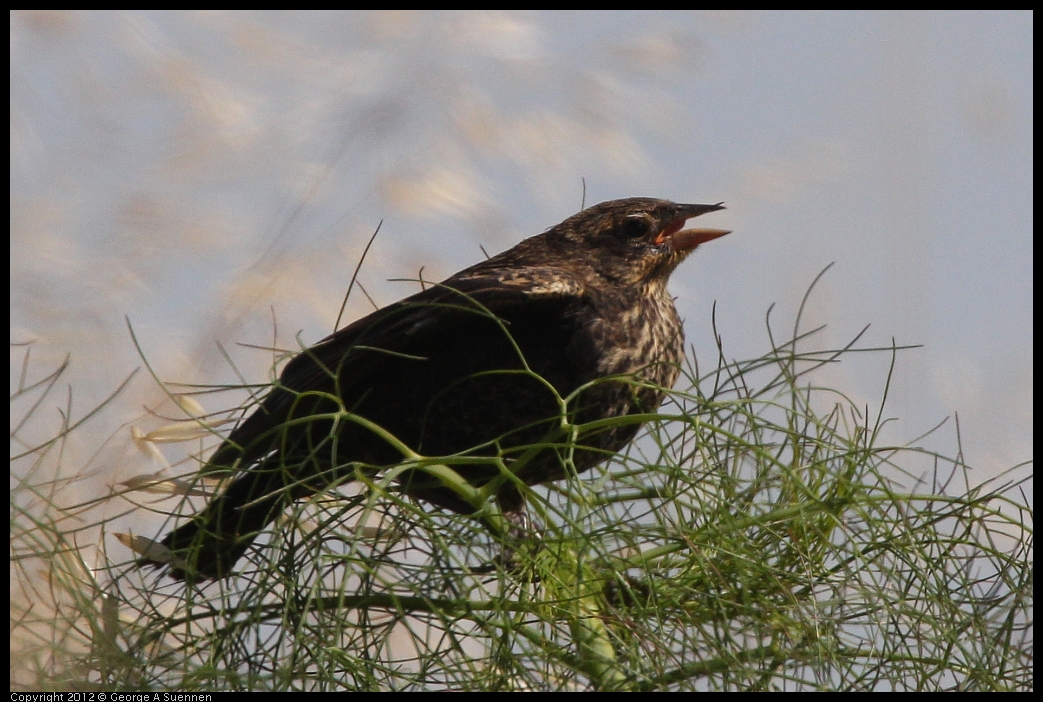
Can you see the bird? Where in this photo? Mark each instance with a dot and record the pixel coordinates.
(569, 327)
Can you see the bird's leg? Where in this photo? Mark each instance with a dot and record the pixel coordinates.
(521, 529)
(512, 506)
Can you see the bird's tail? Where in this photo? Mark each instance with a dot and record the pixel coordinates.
(208, 547)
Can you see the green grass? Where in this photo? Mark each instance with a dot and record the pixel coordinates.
(759, 535)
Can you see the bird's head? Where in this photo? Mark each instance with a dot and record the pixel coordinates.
(633, 242)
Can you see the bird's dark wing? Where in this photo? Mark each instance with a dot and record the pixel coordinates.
(439, 315)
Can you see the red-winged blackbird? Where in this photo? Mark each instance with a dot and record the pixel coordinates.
(477, 365)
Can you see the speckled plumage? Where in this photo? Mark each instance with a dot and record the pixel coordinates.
(454, 369)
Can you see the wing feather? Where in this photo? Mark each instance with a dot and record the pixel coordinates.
(431, 317)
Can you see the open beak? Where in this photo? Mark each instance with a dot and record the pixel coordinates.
(687, 239)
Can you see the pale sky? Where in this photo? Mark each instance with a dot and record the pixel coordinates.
(202, 172)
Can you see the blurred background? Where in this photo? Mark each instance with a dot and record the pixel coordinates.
(214, 177)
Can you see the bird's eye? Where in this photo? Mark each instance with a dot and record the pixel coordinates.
(634, 227)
